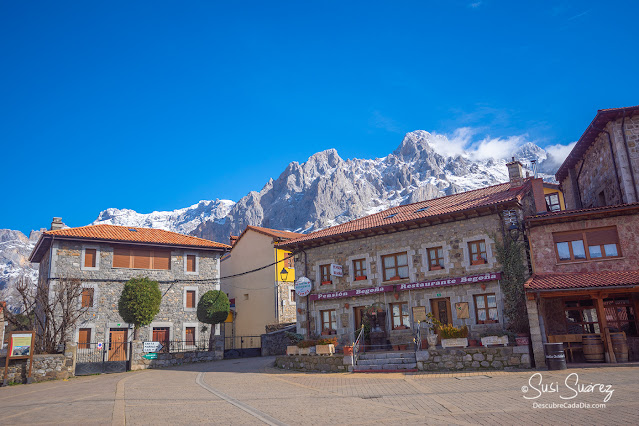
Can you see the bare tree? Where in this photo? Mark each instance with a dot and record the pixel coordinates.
(53, 310)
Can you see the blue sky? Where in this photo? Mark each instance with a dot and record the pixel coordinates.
(154, 105)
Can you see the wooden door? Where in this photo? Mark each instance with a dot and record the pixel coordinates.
(117, 344)
(358, 312)
(441, 310)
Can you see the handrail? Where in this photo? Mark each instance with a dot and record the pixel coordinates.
(356, 347)
(418, 337)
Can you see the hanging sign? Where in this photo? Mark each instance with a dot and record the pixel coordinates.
(350, 293)
(419, 313)
(303, 287)
(462, 310)
(336, 270)
(451, 281)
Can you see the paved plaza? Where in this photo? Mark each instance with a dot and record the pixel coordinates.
(250, 391)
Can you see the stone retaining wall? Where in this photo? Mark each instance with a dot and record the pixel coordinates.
(475, 358)
(275, 343)
(45, 367)
(138, 362)
(322, 363)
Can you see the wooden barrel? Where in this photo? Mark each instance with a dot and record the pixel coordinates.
(593, 348)
(555, 357)
(619, 346)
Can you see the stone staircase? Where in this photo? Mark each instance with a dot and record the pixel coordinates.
(386, 362)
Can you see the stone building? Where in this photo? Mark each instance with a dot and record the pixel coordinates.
(264, 297)
(603, 167)
(104, 257)
(436, 256)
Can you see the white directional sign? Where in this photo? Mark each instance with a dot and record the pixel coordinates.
(303, 287)
(152, 346)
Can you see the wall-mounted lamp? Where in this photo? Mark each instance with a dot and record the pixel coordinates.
(284, 274)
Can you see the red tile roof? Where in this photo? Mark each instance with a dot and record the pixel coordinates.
(590, 134)
(274, 233)
(469, 200)
(545, 282)
(127, 234)
(558, 215)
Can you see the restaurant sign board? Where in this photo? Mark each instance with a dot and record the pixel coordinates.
(350, 293)
(492, 276)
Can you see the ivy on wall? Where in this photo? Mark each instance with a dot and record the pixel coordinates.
(511, 255)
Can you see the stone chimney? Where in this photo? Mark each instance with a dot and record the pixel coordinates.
(56, 224)
(515, 173)
(233, 240)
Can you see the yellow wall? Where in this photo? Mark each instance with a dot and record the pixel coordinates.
(280, 255)
(561, 196)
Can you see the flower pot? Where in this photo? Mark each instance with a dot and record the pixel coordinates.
(460, 342)
(327, 282)
(395, 278)
(432, 340)
(494, 340)
(325, 349)
(360, 278)
(305, 351)
(473, 342)
(292, 350)
(478, 262)
(436, 268)
(325, 333)
(395, 347)
(348, 350)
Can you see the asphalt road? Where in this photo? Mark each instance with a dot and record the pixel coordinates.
(250, 391)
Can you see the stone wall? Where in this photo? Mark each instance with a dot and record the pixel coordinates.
(138, 362)
(108, 282)
(475, 358)
(275, 342)
(321, 363)
(45, 367)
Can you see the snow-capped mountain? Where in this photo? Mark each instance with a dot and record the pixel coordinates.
(15, 249)
(323, 191)
(327, 190)
(182, 220)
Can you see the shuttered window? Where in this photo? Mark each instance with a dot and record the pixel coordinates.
(190, 299)
(190, 263)
(84, 338)
(125, 257)
(89, 258)
(87, 297)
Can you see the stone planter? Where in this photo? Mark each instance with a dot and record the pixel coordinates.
(307, 351)
(432, 340)
(292, 350)
(461, 342)
(325, 349)
(494, 340)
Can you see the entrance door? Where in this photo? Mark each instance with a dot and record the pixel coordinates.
(441, 310)
(117, 344)
(358, 312)
(161, 334)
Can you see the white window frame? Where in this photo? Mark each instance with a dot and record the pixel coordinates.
(197, 263)
(97, 258)
(197, 333)
(197, 298)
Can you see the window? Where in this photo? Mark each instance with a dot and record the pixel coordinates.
(329, 320)
(477, 250)
(190, 263)
(124, 257)
(399, 315)
(600, 243)
(552, 202)
(620, 315)
(602, 198)
(246, 296)
(288, 261)
(189, 336)
(581, 316)
(359, 269)
(87, 297)
(162, 335)
(325, 274)
(486, 309)
(395, 266)
(84, 338)
(89, 257)
(293, 295)
(435, 258)
(190, 299)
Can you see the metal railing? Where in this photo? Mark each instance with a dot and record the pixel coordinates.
(356, 344)
(418, 337)
(177, 346)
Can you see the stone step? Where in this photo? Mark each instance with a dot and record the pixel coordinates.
(411, 366)
(384, 355)
(382, 361)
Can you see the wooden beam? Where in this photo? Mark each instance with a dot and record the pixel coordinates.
(605, 333)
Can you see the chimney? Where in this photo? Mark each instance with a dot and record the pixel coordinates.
(232, 240)
(56, 224)
(515, 173)
(539, 196)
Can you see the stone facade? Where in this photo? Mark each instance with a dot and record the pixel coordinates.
(498, 358)
(594, 180)
(275, 342)
(107, 283)
(452, 236)
(138, 362)
(320, 363)
(45, 367)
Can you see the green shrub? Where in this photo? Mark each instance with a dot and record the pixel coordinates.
(140, 302)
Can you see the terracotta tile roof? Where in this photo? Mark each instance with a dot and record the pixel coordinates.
(135, 235)
(275, 233)
(423, 210)
(544, 282)
(590, 134)
(582, 212)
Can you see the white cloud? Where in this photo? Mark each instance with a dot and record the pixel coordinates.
(496, 147)
(475, 5)
(558, 153)
(456, 144)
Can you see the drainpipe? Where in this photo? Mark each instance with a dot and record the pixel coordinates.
(614, 162)
(625, 144)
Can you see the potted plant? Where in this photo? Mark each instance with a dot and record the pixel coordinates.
(436, 267)
(360, 278)
(432, 323)
(480, 261)
(453, 337)
(325, 346)
(327, 282)
(305, 346)
(395, 278)
(294, 338)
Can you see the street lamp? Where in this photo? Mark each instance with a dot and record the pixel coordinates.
(284, 274)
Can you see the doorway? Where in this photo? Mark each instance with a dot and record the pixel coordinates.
(117, 344)
(161, 334)
(441, 310)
